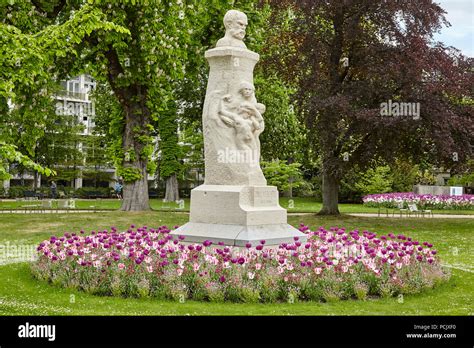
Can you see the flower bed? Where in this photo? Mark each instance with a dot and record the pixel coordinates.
(391, 200)
(333, 264)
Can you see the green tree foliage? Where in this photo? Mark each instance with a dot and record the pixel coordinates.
(30, 51)
(9, 154)
(375, 180)
(465, 178)
(284, 176)
(283, 137)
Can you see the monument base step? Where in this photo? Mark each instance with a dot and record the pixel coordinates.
(239, 235)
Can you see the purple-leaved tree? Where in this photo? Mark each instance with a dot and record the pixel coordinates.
(373, 85)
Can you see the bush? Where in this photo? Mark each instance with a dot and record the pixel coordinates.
(331, 265)
(376, 180)
(17, 191)
(91, 192)
(283, 176)
(68, 190)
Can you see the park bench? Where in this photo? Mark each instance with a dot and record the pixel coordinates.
(153, 194)
(46, 205)
(400, 208)
(66, 204)
(30, 208)
(95, 194)
(30, 195)
(413, 209)
(381, 210)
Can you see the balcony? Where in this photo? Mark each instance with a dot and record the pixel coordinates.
(72, 95)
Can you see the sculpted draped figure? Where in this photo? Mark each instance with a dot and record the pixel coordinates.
(232, 117)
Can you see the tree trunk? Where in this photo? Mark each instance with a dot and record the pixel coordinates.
(330, 193)
(35, 180)
(172, 189)
(135, 195)
(133, 100)
(289, 192)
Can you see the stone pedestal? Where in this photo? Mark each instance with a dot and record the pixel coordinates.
(237, 215)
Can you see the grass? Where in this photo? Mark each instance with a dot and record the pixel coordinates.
(20, 294)
(293, 205)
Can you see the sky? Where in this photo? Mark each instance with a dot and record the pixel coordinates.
(461, 33)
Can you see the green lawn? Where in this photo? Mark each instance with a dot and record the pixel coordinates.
(293, 205)
(20, 294)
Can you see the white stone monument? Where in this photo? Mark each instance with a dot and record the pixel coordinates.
(234, 205)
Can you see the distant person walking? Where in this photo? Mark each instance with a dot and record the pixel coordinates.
(118, 190)
(54, 190)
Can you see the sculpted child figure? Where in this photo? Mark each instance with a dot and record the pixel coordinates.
(230, 115)
(244, 115)
(249, 108)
